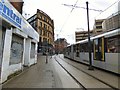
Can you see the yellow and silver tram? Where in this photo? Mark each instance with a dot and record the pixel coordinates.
(105, 51)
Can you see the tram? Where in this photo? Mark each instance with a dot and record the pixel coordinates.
(105, 50)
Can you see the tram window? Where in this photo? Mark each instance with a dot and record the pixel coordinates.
(74, 48)
(84, 47)
(69, 49)
(105, 45)
(77, 54)
(77, 50)
(91, 46)
(77, 47)
(113, 44)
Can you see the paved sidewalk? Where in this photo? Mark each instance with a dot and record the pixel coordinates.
(42, 75)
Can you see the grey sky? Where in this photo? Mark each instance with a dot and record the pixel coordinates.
(66, 23)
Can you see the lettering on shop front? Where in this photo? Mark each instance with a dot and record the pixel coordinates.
(9, 14)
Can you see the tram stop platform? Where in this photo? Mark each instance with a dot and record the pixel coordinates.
(48, 75)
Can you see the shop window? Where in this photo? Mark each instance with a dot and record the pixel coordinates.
(16, 54)
(32, 52)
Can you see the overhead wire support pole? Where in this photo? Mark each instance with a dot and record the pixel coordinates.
(89, 41)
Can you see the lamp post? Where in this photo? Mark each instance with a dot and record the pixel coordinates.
(89, 42)
(46, 43)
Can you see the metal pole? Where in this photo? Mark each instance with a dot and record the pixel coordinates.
(89, 42)
(47, 53)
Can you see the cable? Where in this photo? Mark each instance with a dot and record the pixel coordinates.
(108, 7)
(68, 16)
(74, 5)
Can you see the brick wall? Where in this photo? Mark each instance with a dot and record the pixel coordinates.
(18, 4)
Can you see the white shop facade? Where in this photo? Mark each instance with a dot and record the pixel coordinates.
(18, 41)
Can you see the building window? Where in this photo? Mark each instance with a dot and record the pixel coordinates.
(98, 27)
(98, 23)
(43, 33)
(32, 52)
(35, 16)
(40, 32)
(45, 26)
(45, 18)
(48, 34)
(40, 24)
(40, 16)
(48, 27)
(34, 23)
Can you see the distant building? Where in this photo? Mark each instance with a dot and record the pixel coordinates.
(44, 25)
(112, 22)
(111, 17)
(81, 35)
(18, 5)
(98, 28)
(60, 44)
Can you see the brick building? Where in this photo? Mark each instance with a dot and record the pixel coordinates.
(18, 4)
(60, 44)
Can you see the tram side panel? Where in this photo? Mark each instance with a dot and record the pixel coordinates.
(112, 62)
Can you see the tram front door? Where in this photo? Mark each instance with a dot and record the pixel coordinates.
(99, 53)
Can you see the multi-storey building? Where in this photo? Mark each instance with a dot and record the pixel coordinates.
(112, 22)
(111, 17)
(98, 28)
(81, 35)
(44, 25)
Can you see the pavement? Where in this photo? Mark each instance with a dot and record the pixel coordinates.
(42, 75)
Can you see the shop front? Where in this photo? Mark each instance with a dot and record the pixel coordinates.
(18, 41)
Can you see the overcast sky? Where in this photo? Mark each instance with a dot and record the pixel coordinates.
(65, 21)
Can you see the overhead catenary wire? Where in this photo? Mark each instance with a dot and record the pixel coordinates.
(108, 7)
(67, 17)
(75, 6)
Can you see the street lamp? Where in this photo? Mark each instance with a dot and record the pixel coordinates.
(89, 42)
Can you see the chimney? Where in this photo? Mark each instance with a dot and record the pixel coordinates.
(18, 4)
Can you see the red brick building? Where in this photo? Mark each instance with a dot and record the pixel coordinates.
(18, 4)
(60, 44)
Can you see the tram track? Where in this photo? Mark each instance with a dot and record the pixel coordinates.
(71, 75)
(112, 87)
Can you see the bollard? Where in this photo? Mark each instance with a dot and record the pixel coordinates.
(46, 58)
